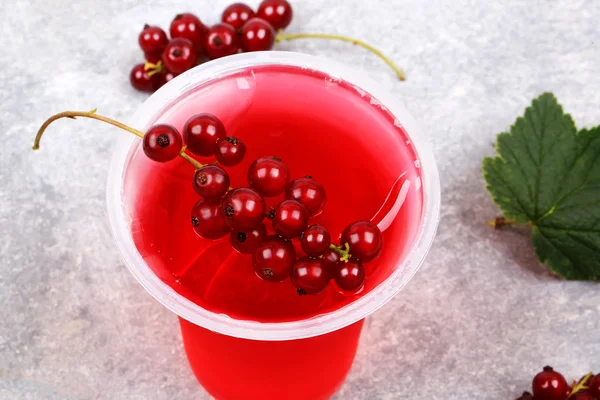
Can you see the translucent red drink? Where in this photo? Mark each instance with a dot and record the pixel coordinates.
(247, 338)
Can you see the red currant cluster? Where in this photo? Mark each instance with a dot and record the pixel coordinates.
(240, 212)
(551, 385)
(241, 29)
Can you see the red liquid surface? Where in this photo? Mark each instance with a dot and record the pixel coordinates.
(319, 126)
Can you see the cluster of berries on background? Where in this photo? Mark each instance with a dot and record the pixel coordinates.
(552, 385)
(192, 42)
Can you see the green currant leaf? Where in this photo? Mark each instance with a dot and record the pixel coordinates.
(547, 175)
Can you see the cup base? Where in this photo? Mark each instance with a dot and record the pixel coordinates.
(231, 368)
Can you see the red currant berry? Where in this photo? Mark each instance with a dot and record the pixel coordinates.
(188, 26)
(179, 55)
(291, 219)
(364, 239)
(237, 14)
(278, 13)
(221, 40)
(549, 385)
(246, 242)
(208, 219)
(257, 35)
(268, 176)
(594, 386)
(140, 79)
(582, 395)
(153, 58)
(162, 143)
(201, 134)
(274, 258)
(153, 40)
(166, 76)
(309, 192)
(309, 276)
(244, 208)
(315, 240)
(211, 182)
(331, 260)
(526, 396)
(349, 276)
(230, 151)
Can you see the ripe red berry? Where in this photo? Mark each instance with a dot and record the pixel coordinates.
(221, 40)
(208, 220)
(581, 395)
(246, 242)
(278, 13)
(274, 259)
(309, 192)
(549, 385)
(244, 209)
(179, 55)
(230, 151)
(268, 176)
(309, 276)
(331, 260)
(165, 77)
(153, 40)
(594, 386)
(140, 79)
(526, 396)
(211, 182)
(290, 220)
(349, 276)
(257, 35)
(364, 239)
(315, 240)
(201, 134)
(162, 143)
(236, 15)
(153, 58)
(188, 26)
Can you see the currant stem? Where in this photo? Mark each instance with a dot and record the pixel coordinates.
(154, 68)
(92, 114)
(582, 385)
(343, 251)
(499, 222)
(280, 37)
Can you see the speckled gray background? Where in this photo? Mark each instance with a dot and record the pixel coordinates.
(477, 321)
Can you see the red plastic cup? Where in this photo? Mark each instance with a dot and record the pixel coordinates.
(246, 360)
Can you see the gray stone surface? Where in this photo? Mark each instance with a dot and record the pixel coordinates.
(477, 321)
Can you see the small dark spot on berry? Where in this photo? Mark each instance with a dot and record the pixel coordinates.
(229, 211)
(276, 158)
(195, 221)
(271, 213)
(308, 176)
(202, 179)
(268, 272)
(232, 139)
(178, 16)
(301, 292)
(146, 26)
(163, 140)
(241, 237)
(217, 41)
(298, 199)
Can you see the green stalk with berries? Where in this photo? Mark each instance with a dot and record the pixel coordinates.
(241, 30)
(241, 212)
